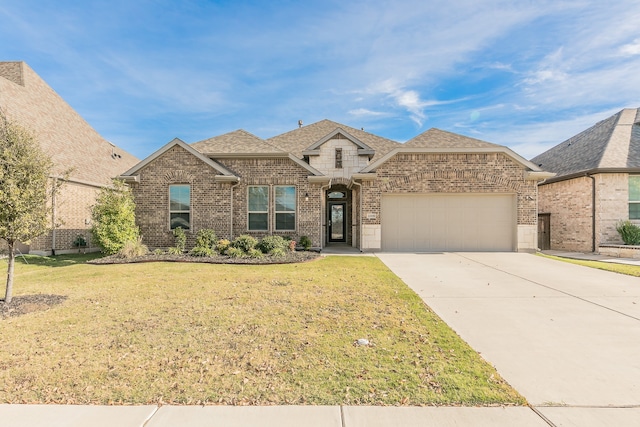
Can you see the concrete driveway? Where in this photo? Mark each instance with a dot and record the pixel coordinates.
(564, 336)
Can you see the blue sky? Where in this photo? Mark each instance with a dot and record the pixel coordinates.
(525, 74)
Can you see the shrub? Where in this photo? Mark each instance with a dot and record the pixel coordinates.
(175, 251)
(222, 246)
(206, 238)
(255, 253)
(305, 242)
(292, 245)
(629, 232)
(181, 238)
(200, 251)
(278, 253)
(114, 219)
(245, 243)
(158, 252)
(133, 248)
(269, 243)
(235, 252)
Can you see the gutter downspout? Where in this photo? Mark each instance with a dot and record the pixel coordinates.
(53, 216)
(593, 212)
(359, 212)
(324, 217)
(231, 218)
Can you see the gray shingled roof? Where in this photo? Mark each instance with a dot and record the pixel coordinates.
(236, 142)
(611, 143)
(436, 138)
(297, 140)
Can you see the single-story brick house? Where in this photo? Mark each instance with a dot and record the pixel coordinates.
(340, 185)
(72, 144)
(596, 186)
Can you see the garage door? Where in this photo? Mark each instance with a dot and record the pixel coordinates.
(448, 222)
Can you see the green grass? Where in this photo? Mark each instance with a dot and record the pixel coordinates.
(205, 334)
(630, 270)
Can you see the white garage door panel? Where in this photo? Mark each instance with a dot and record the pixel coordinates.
(474, 222)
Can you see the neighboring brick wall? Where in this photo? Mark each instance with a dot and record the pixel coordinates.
(211, 201)
(451, 173)
(570, 205)
(612, 206)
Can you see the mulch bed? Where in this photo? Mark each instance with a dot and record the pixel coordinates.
(291, 257)
(25, 304)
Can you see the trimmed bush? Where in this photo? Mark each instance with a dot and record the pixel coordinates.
(269, 243)
(206, 238)
(133, 248)
(201, 251)
(629, 232)
(245, 243)
(222, 246)
(278, 253)
(181, 238)
(305, 242)
(235, 252)
(255, 253)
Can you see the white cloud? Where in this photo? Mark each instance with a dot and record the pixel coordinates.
(631, 49)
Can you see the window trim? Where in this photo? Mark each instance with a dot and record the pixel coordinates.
(294, 212)
(180, 211)
(249, 212)
(629, 200)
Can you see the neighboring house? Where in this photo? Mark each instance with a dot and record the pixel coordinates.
(340, 185)
(72, 144)
(596, 186)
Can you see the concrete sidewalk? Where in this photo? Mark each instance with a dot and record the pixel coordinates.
(587, 256)
(267, 416)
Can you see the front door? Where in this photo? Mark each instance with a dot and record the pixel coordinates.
(544, 231)
(337, 225)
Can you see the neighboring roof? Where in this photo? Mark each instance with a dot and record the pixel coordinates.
(236, 142)
(224, 172)
(613, 143)
(436, 138)
(298, 140)
(61, 131)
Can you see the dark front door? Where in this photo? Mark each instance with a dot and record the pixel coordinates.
(544, 231)
(337, 224)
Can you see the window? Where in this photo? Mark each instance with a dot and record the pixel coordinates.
(180, 206)
(258, 208)
(285, 207)
(338, 158)
(634, 197)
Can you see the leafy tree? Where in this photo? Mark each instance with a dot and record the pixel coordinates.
(24, 189)
(114, 218)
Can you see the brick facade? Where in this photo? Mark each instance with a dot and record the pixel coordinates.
(211, 201)
(570, 203)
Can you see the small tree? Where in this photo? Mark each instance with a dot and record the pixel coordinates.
(24, 186)
(114, 218)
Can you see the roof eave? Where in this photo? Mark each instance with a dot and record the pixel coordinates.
(588, 172)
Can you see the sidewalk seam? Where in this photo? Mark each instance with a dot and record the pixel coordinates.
(342, 416)
(541, 415)
(151, 416)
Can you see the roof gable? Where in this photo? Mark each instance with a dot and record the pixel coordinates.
(613, 143)
(297, 140)
(176, 141)
(236, 142)
(363, 149)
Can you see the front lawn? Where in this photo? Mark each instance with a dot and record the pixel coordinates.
(228, 334)
(630, 270)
